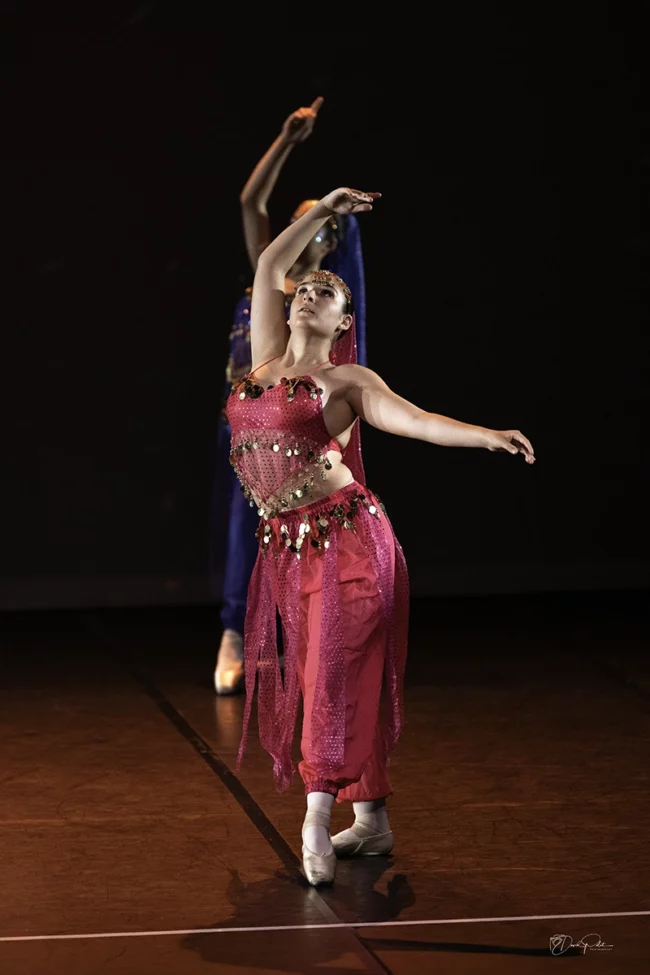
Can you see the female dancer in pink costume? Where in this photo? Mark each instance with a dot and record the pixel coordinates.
(328, 558)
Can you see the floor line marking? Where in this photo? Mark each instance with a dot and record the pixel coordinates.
(316, 927)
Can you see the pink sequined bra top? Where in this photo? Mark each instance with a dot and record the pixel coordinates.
(279, 441)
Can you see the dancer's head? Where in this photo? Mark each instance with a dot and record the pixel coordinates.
(325, 241)
(322, 304)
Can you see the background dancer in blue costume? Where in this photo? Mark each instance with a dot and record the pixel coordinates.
(337, 247)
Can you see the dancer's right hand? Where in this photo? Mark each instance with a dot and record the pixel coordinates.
(300, 124)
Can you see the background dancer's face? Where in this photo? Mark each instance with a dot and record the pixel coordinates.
(320, 306)
(321, 244)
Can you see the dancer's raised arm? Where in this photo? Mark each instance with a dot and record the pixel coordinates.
(269, 329)
(255, 194)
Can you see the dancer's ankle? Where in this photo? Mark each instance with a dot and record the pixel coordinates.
(372, 814)
(317, 838)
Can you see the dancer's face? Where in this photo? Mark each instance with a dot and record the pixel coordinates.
(319, 306)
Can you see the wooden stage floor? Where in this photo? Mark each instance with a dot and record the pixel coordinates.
(521, 808)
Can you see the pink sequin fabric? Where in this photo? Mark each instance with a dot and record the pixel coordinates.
(279, 442)
(279, 446)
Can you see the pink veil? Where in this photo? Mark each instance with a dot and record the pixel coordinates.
(343, 353)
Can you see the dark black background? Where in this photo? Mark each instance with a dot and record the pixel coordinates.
(506, 277)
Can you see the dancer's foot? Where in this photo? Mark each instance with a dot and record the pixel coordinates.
(361, 840)
(369, 835)
(318, 857)
(229, 672)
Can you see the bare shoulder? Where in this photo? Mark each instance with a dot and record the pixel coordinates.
(353, 374)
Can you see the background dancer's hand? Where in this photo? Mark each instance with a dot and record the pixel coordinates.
(510, 441)
(300, 124)
(345, 200)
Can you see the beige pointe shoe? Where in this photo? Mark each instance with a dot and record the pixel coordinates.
(319, 867)
(360, 841)
(229, 672)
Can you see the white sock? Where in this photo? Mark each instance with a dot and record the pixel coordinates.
(372, 814)
(317, 838)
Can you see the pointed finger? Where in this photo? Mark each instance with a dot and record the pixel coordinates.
(316, 104)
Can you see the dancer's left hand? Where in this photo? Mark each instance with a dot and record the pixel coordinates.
(511, 442)
(345, 200)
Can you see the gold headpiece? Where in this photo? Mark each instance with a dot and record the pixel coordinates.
(328, 277)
